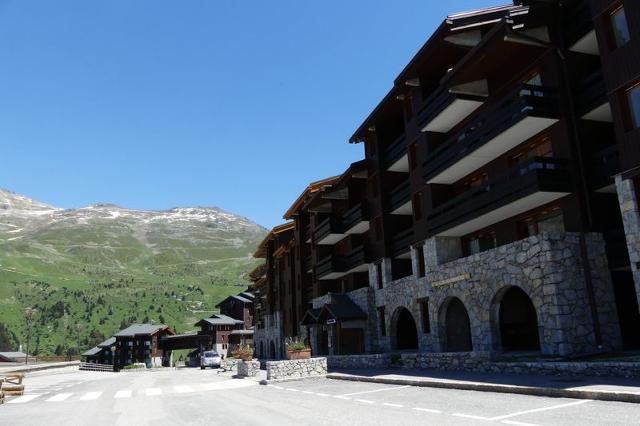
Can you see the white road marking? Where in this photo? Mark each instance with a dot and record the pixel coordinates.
(322, 394)
(22, 399)
(153, 391)
(183, 389)
(346, 398)
(123, 394)
(376, 390)
(277, 387)
(91, 396)
(427, 410)
(59, 397)
(293, 390)
(308, 392)
(364, 401)
(537, 410)
(229, 384)
(513, 422)
(388, 404)
(471, 416)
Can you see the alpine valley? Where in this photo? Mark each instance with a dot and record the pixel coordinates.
(90, 271)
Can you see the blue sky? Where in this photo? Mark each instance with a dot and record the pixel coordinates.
(154, 104)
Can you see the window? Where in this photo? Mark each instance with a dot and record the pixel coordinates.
(476, 180)
(633, 103)
(379, 274)
(420, 260)
(381, 322)
(424, 314)
(534, 79)
(619, 28)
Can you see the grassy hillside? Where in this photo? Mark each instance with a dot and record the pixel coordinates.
(88, 272)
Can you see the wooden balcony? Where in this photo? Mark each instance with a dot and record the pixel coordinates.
(401, 199)
(444, 109)
(336, 266)
(516, 117)
(518, 190)
(395, 155)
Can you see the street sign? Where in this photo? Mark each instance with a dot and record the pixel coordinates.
(331, 321)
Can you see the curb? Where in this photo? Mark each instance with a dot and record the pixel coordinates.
(34, 368)
(266, 382)
(499, 388)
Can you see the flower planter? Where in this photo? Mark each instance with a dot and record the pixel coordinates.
(301, 354)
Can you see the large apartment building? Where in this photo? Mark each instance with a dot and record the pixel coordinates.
(495, 209)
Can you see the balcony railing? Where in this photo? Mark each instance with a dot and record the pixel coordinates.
(329, 226)
(335, 266)
(540, 174)
(579, 23)
(401, 242)
(604, 166)
(307, 233)
(524, 101)
(437, 102)
(355, 215)
(307, 264)
(400, 195)
(395, 151)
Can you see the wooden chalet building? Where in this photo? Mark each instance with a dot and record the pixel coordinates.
(141, 343)
(495, 209)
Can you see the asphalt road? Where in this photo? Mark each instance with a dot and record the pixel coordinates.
(206, 398)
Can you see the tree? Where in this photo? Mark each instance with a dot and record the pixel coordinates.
(8, 340)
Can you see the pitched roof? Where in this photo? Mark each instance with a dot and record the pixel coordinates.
(247, 294)
(12, 355)
(140, 329)
(261, 251)
(310, 189)
(342, 308)
(92, 351)
(220, 319)
(236, 297)
(107, 343)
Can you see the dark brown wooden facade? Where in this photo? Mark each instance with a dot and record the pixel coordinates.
(508, 123)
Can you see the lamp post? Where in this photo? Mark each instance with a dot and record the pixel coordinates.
(28, 314)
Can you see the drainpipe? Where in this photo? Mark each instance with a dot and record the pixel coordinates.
(583, 196)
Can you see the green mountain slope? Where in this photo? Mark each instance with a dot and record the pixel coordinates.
(88, 271)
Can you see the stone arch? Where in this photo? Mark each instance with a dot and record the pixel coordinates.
(404, 331)
(272, 355)
(454, 326)
(514, 321)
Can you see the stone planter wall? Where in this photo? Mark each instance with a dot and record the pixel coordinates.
(248, 368)
(302, 354)
(481, 362)
(298, 368)
(229, 364)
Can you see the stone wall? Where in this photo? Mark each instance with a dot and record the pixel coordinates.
(549, 269)
(631, 221)
(248, 368)
(299, 368)
(481, 362)
(229, 364)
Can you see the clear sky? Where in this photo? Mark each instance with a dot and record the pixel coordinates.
(154, 104)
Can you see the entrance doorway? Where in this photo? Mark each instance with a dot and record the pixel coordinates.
(518, 322)
(406, 331)
(457, 327)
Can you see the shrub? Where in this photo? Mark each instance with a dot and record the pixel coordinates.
(244, 352)
(297, 346)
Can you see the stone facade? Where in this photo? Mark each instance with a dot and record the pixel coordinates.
(631, 222)
(547, 267)
(248, 368)
(470, 361)
(278, 370)
(269, 341)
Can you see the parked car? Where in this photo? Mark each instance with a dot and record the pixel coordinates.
(210, 359)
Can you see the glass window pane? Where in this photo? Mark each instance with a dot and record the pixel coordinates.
(633, 96)
(554, 224)
(620, 27)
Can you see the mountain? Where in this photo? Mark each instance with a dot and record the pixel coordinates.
(90, 270)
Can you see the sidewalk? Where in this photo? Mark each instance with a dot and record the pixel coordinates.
(597, 388)
(21, 368)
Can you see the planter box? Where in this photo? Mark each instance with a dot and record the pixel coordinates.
(303, 354)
